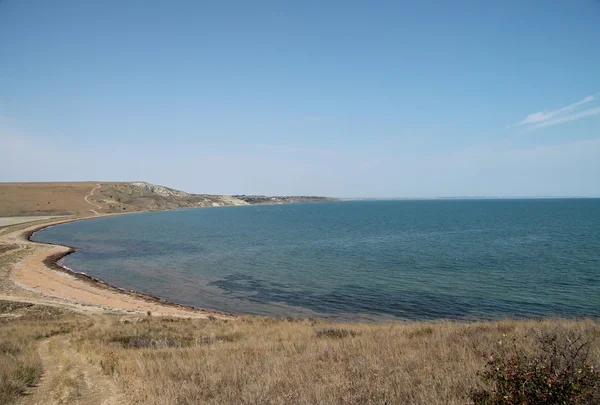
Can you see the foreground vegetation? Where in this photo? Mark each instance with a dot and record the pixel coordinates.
(255, 360)
(22, 328)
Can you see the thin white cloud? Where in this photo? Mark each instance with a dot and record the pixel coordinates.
(541, 116)
(567, 118)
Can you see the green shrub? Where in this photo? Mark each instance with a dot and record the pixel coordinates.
(556, 372)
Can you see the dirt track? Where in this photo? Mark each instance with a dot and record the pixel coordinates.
(89, 202)
(69, 378)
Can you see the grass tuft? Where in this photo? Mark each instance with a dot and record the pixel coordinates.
(334, 333)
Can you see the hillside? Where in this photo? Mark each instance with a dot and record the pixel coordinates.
(86, 198)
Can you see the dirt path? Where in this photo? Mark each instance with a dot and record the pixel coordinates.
(89, 202)
(69, 379)
(37, 300)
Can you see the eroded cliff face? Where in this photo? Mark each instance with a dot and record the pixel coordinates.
(142, 196)
(159, 190)
(145, 196)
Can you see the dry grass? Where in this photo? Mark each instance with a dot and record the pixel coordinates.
(250, 361)
(67, 379)
(68, 198)
(44, 198)
(22, 328)
(7, 248)
(9, 254)
(262, 360)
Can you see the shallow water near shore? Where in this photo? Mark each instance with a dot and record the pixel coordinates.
(450, 259)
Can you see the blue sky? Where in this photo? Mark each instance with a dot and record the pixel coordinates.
(342, 98)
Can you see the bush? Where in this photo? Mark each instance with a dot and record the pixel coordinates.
(142, 342)
(557, 372)
(336, 333)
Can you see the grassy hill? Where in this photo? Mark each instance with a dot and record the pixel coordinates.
(44, 198)
(87, 198)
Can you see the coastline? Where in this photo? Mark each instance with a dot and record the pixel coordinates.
(127, 356)
(40, 273)
(31, 273)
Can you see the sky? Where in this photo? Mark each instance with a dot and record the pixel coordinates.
(337, 98)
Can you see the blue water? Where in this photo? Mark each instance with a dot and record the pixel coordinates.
(458, 259)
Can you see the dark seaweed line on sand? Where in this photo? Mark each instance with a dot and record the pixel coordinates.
(51, 262)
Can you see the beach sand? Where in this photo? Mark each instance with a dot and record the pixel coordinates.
(34, 277)
(7, 221)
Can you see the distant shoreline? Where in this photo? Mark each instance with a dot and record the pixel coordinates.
(52, 261)
(55, 254)
(463, 198)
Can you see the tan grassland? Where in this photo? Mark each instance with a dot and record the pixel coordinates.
(68, 340)
(52, 356)
(93, 198)
(21, 199)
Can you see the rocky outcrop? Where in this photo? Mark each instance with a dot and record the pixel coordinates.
(159, 190)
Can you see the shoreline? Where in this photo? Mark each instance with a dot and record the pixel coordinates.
(51, 262)
(106, 297)
(109, 297)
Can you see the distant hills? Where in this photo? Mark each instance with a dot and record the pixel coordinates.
(91, 198)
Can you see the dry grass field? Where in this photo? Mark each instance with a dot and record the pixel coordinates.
(266, 361)
(152, 360)
(22, 328)
(18, 199)
(88, 198)
(93, 198)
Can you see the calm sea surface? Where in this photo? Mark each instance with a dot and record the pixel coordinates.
(458, 259)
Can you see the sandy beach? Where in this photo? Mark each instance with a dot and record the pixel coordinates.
(35, 277)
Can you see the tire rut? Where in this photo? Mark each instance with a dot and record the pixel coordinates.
(69, 379)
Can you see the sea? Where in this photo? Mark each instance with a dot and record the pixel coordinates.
(354, 260)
